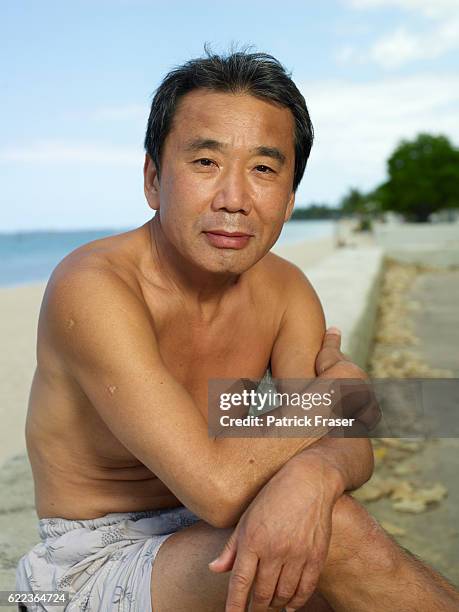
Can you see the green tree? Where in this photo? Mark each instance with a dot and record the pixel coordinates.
(353, 203)
(314, 211)
(363, 206)
(423, 178)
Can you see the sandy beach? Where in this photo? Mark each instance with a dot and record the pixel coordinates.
(19, 308)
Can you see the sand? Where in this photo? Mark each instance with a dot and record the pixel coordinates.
(19, 309)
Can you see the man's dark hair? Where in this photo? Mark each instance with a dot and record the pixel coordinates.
(258, 74)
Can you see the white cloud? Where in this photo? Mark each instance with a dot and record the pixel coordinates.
(358, 125)
(396, 49)
(402, 45)
(60, 152)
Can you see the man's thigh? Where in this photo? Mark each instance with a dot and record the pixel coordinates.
(181, 580)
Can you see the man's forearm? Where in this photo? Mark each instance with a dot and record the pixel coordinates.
(338, 464)
(351, 459)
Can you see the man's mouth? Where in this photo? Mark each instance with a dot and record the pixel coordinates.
(227, 240)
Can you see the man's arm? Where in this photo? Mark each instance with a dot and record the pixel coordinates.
(346, 463)
(294, 355)
(105, 337)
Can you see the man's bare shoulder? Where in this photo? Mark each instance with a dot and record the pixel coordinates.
(111, 260)
(286, 278)
(85, 288)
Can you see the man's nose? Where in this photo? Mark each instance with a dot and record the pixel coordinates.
(232, 193)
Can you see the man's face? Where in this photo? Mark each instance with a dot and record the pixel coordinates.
(227, 165)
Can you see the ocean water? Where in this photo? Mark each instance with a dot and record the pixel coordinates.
(28, 257)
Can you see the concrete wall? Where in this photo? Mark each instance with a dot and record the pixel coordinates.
(348, 284)
(431, 244)
(417, 235)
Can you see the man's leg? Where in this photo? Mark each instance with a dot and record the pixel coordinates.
(365, 570)
(181, 580)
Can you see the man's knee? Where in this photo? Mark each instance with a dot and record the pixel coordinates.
(358, 537)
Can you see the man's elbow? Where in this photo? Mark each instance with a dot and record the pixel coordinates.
(220, 506)
(222, 519)
(222, 514)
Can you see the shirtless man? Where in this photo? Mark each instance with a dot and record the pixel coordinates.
(131, 329)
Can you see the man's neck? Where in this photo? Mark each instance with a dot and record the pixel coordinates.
(204, 291)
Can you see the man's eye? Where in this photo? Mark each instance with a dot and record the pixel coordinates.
(204, 162)
(264, 169)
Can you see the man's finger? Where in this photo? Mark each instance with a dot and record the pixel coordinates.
(264, 585)
(240, 582)
(224, 561)
(306, 586)
(287, 584)
(330, 353)
(332, 338)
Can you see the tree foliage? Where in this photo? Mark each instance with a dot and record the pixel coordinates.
(423, 178)
(353, 203)
(315, 211)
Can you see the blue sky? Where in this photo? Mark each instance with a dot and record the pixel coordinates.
(77, 79)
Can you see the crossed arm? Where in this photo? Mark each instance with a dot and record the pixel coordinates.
(302, 351)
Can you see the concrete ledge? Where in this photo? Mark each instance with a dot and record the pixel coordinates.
(435, 244)
(418, 235)
(348, 284)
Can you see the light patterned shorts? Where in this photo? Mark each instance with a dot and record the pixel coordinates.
(105, 564)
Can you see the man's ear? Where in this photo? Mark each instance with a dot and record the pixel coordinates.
(151, 183)
(291, 202)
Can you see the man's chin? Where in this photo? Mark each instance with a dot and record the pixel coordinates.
(231, 262)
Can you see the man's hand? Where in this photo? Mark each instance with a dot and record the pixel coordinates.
(281, 542)
(357, 400)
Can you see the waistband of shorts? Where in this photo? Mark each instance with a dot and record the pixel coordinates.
(52, 527)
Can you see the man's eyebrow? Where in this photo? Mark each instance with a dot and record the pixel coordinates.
(272, 152)
(204, 143)
(209, 143)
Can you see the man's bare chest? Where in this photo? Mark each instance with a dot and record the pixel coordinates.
(196, 353)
